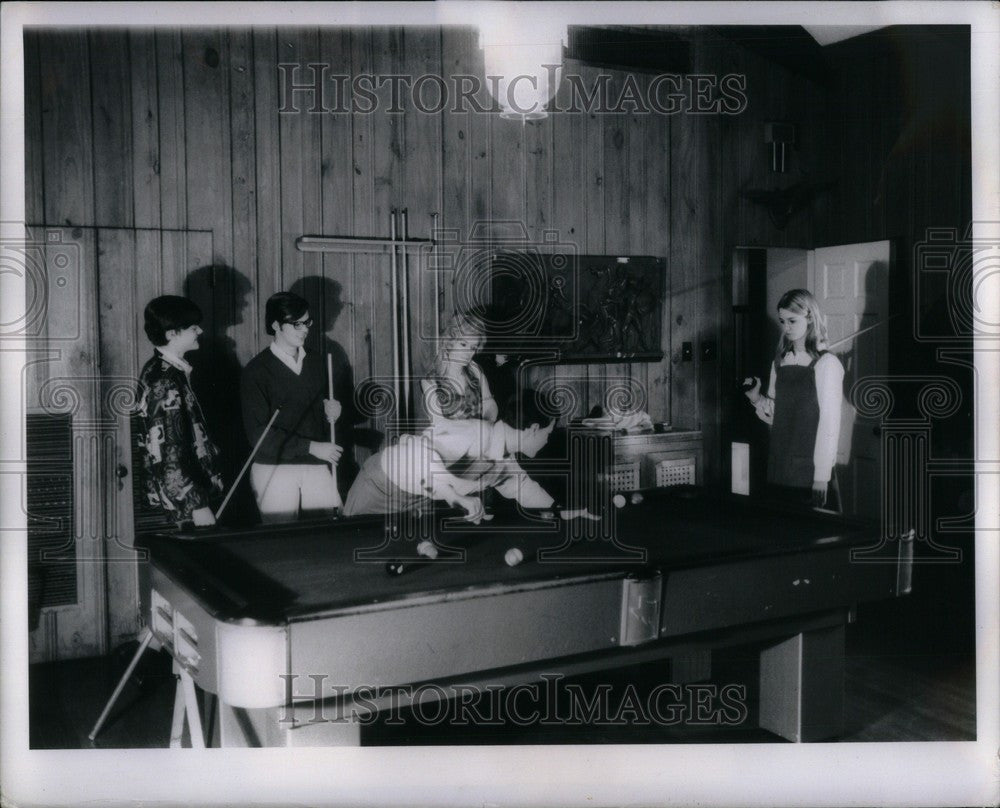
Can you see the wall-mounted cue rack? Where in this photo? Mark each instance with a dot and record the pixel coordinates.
(399, 247)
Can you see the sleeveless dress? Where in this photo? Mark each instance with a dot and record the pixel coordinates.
(796, 420)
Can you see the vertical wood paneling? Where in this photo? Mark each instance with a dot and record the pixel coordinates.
(507, 175)
(755, 152)
(457, 154)
(34, 182)
(173, 152)
(145, 128)
(67, 130)
(209, 162)
(299, 128)
(593, 199)
(686, 184)
(387, 192)
(111, 115)
(119, 371)
(730, 168)
(267, 101)
(422, 183)
(339, 315)
(636, 122)
(337, 192)
(208, 150)
(569, 179)
(899, 140)
(241, 321)
(657, 240)
(67, 383)
(369, 271)
(710, 312)
(480, 206)
(538, 178)
(617, 196)
(538, 195)
(147, 283)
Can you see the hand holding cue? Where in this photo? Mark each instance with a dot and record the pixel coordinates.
(333, 429)
(329, 393)
(246, 465)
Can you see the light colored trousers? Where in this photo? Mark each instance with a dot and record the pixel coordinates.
(283, 491)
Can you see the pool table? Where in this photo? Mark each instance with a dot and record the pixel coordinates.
(279, 621)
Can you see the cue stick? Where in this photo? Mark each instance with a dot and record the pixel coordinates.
(405, 320)
(329, 392)
(333, 429)
(246, 465)
(841, 341)
(394, 296)
(858, 333)
(437, 281)
(147, 637)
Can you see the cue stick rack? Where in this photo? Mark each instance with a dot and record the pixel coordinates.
(399, 246)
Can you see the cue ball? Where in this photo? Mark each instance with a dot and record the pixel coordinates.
(618, 500)
(637, 498)
(513, 557)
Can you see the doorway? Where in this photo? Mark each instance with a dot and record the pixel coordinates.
(850, 282)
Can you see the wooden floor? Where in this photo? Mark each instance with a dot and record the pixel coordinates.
(889, 696)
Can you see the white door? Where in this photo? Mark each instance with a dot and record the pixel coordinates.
(851, 283)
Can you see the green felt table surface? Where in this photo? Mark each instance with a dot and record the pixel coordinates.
(286, 572)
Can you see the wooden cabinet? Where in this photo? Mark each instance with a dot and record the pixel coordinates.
(655, 460)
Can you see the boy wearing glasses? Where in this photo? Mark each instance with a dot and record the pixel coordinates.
(291, 473)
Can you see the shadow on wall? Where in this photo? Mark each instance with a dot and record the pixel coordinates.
(325, 306)
(859, 450)
(222, 294)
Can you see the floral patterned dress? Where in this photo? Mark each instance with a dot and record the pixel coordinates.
(178, 457)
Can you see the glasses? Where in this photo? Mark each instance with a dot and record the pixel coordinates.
(301, 325)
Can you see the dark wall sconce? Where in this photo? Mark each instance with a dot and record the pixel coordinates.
(780, 137)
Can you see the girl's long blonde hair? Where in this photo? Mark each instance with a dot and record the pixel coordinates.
(461, 325)
(801, 301)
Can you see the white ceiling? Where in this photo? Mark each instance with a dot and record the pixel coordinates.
(828, 34)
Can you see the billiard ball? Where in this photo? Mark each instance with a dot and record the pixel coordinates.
(618, 500)
(637, 498)
(427, 549)
(513, 557)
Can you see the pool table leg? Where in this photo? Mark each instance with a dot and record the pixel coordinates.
(802, 685)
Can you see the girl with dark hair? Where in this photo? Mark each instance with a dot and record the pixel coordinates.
(179, 458)
(802, 404)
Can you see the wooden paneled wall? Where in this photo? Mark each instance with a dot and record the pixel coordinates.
(898, 128)
(181, 130)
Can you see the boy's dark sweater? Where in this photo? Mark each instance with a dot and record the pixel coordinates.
(268, 383)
